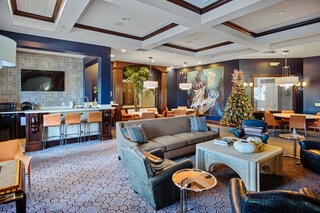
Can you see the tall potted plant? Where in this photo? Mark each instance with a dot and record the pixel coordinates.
(137, 74)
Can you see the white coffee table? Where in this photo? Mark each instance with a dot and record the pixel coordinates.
(247, 166)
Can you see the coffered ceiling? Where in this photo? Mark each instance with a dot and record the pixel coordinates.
(174, 31)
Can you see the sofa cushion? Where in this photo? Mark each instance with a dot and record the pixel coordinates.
(135, 133)
(151, 145)
(191, 137)
(208, 135)
(170, 142)
(253, 130)
(198, 124)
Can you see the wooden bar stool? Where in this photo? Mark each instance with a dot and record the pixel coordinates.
(94, 117)
(72, 119)
(51, 120)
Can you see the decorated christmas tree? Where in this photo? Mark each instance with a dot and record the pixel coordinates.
(238, 106)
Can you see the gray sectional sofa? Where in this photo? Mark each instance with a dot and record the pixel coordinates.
(172, 135)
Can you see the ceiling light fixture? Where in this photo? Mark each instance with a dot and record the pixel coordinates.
(150, 83)
(184, 85)
(274, 63)
(7, 52)
(286, 79)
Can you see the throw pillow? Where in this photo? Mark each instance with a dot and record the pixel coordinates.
(136, 134)
(198, 124)
(252, 130)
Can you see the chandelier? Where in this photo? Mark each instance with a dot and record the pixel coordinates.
(7, 52)
(184, 85)
(150, 83)
(286, 79)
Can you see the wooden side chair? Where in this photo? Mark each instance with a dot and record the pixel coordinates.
(285, 121)
(271, 121)
(315, 125)
(125, 116)
(298, 122)
(10, 150)
(180, 111)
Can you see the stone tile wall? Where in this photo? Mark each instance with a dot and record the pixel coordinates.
(10, 80)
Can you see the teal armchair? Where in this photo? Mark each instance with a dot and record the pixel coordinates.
(250, 125)
(154, 186)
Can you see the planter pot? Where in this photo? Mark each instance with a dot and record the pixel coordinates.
(244, 146)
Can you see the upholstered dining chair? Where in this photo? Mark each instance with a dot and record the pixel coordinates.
(10, 150)
(298, 122)
(125, 116)
(271, 121)
(180, 111)
(315, 125)
(285, 121)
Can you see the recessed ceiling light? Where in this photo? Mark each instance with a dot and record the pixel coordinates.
(199, 62)
(123, 50)
(185, 64)
(274, 63)
(125, 19)
(111, 56)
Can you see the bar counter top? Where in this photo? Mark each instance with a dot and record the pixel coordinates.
(57, 109)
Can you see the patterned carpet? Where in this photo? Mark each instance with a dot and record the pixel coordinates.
(88, 177)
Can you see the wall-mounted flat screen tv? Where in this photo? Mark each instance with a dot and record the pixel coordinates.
(41, 80)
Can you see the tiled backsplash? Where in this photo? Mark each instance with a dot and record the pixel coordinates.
(10, 80)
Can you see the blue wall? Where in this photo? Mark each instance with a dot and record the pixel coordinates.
(63, 46)
(311, 72)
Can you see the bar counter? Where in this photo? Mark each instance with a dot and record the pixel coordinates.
(34, 120)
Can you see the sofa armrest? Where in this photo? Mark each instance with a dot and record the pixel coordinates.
(157, 152)
(236, 191)
(237, 132)
(168, 172)
(310, 144)
(308, 192)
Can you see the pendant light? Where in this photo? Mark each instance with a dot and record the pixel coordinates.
(150, 83)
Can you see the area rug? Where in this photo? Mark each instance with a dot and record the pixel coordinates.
(88, 177)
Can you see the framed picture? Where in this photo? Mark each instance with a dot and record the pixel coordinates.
(206, 94)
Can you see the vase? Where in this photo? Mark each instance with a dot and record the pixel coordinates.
(244, 146)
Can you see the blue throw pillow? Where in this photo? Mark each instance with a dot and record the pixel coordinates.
(136, 134)
(198, 124)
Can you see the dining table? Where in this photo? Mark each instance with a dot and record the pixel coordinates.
(287, 115)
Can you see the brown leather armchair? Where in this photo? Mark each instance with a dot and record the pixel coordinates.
(272, 201)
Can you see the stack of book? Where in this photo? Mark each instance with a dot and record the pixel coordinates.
(225, 141)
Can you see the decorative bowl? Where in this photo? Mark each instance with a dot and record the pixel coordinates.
(244, 146)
